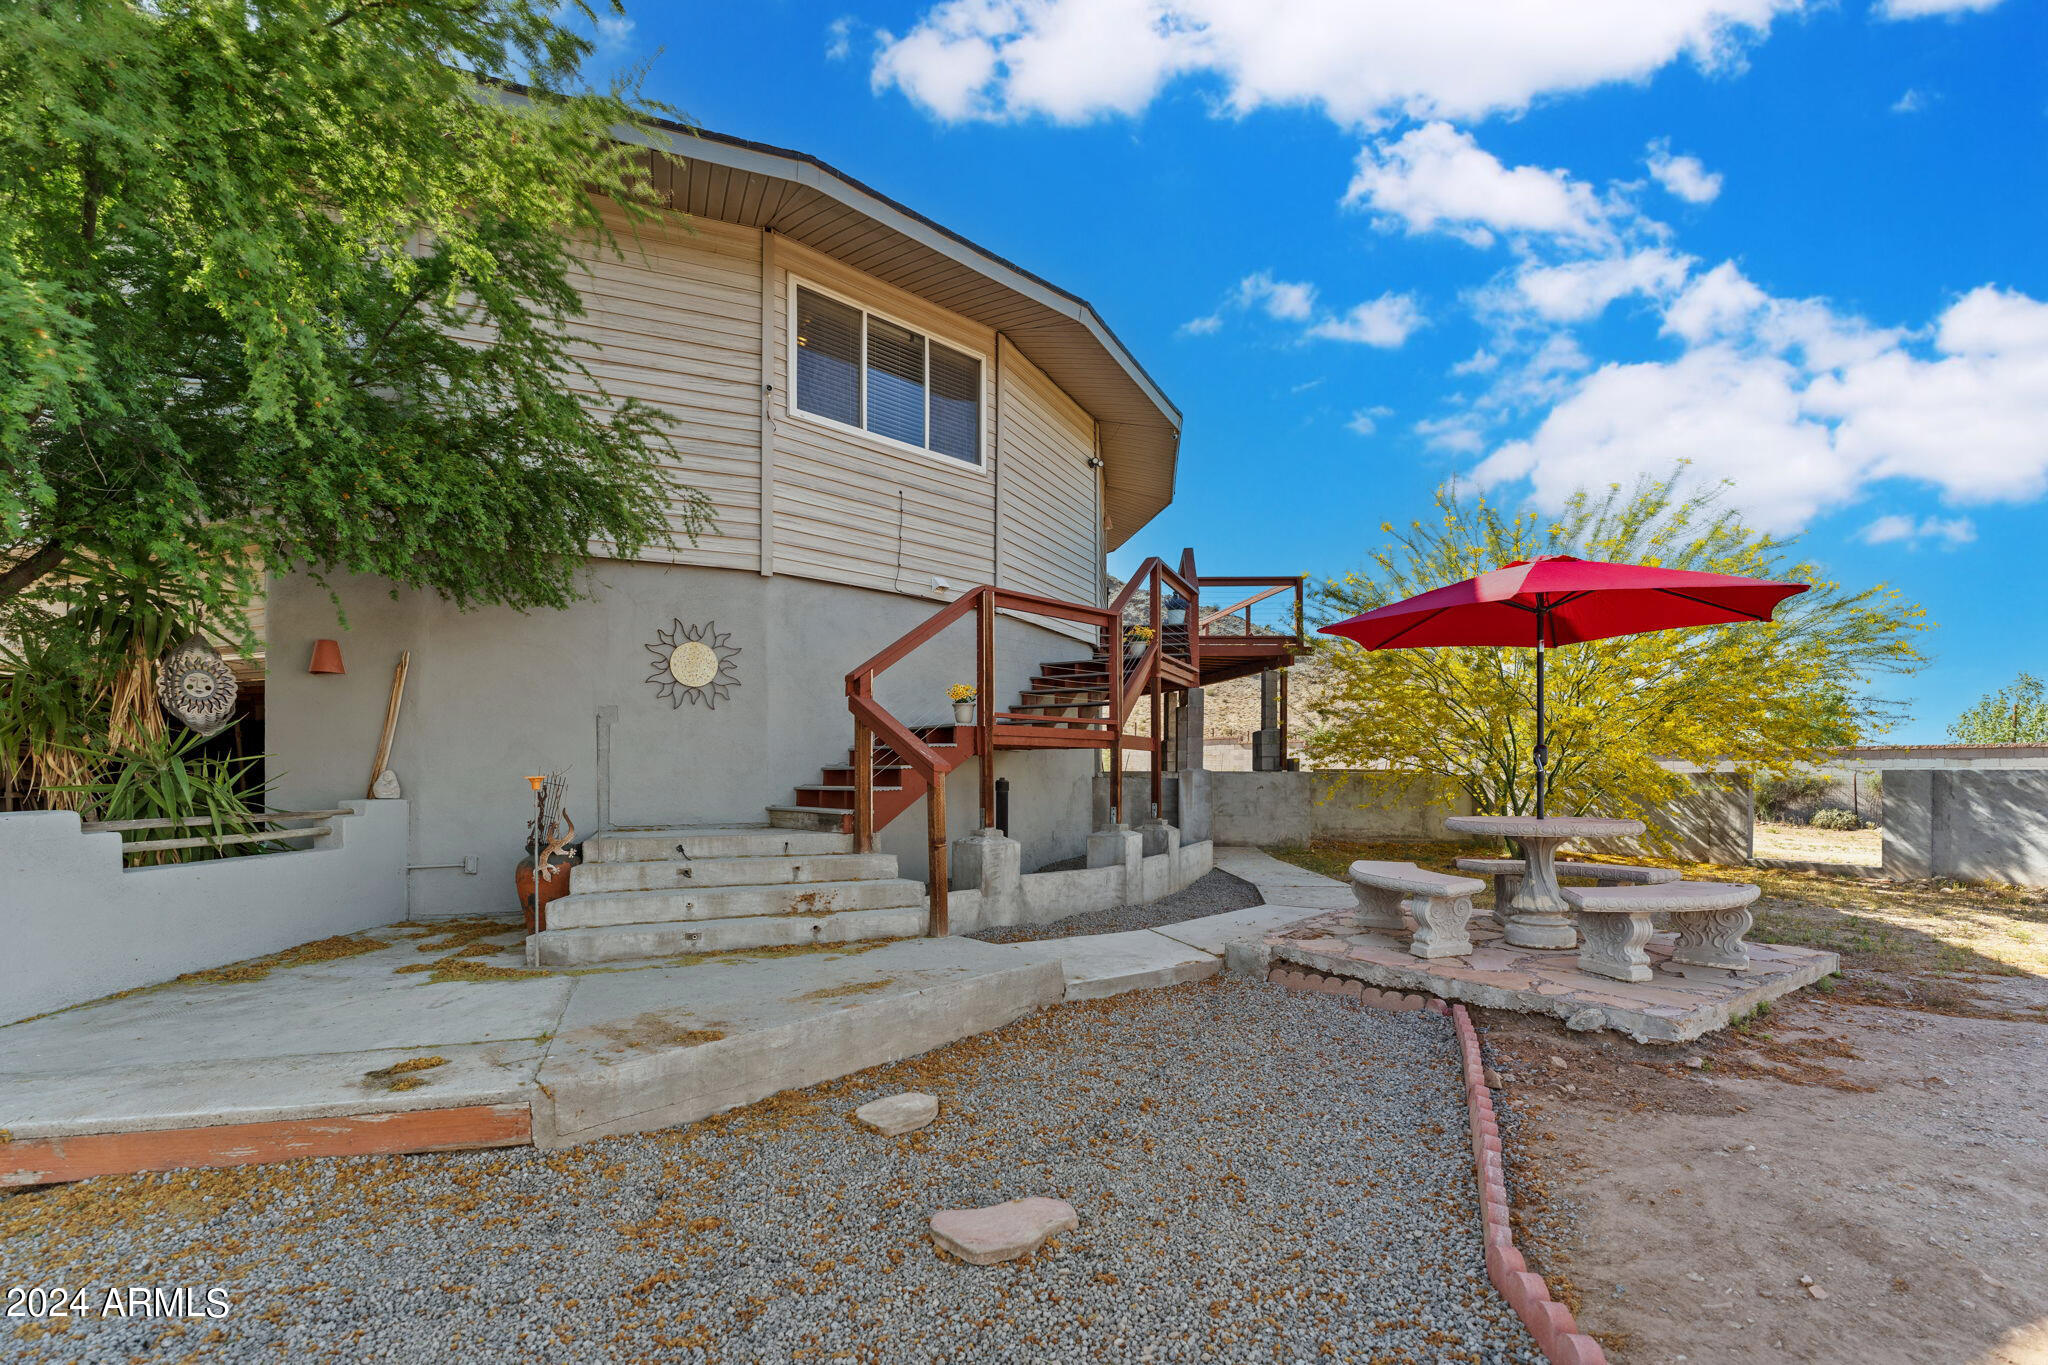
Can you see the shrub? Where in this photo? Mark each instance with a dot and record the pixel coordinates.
(1779, 797)
(1834, 817)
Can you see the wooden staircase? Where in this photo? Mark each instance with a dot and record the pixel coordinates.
(1066, 705)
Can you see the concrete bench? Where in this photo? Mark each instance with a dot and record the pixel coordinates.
(1440, 904)
(1710, 917)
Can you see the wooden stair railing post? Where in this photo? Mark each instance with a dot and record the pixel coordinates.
(863, 787)
(1114, 667)
(1193, 593)
(985, 691)
(938, 874)
(1158, 643)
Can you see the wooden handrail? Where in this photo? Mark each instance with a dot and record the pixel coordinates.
(897, 652)
(875, 729)
(1273, 591)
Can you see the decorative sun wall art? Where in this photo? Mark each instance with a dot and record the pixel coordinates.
(693, 663)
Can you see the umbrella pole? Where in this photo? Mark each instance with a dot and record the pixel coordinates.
(1542, 749)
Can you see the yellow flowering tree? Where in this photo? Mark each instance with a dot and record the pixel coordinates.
(1766, 698)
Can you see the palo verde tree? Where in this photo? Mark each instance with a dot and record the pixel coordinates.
(2017, 714)
(288, 284)
(1765, 697)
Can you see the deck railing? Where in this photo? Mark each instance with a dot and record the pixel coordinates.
(1171, 656)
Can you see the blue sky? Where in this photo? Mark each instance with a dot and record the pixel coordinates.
(1368, 244)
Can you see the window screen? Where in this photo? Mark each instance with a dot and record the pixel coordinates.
(956, 404)
(895, 382)
(827, 357)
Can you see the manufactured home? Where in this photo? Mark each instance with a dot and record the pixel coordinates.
(918, 454)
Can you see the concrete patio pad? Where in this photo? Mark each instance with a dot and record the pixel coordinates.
(1672, 1007)
(241, 1068)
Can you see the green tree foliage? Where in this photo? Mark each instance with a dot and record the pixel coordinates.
(1767, 697)
(2017, 714)
(247, 255)
(287, 285)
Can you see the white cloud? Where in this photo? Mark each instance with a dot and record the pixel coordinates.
(1912, 102)
(1385, 322)
(1364, 62)
(1436, 178)
(1365, 421)
(1802, 408)
(1972, 422)
(839, 38)
(1462, 434)
(1285, 300)
(1732, 416)
(1893, 529)
(1685, 176)
(1481, 361)
(1578, 290)
(1921, 9)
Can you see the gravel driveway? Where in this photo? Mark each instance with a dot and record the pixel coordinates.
(1259, 1176)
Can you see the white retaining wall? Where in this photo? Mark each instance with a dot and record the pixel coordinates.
(78, 926)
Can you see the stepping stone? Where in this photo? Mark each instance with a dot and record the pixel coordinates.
(896, 1114)
(1002, 1232)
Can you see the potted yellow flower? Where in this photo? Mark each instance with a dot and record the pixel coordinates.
(962, 697)
(1136, 640)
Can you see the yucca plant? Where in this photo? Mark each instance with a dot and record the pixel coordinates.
(167, 777)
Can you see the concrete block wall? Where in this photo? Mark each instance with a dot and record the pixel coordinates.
(78, 926)
(1268, 809)
(1983, 825)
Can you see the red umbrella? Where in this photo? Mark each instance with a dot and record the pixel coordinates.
(1561, 600)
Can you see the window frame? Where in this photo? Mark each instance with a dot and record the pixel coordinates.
(981, 462)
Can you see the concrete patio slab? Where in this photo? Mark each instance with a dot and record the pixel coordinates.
(630, 1058)
(1095, 966)
(1214, 934)
(1673, 1006)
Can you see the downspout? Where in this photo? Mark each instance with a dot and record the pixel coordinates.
(767, 539)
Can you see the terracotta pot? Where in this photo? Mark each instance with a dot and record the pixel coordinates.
(551, 889)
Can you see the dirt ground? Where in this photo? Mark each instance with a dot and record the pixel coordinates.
(1803, 843)
(1894, 1157)
(1883, 1135)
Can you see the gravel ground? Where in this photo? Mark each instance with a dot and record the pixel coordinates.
(1259, 1177)
(1211, 895)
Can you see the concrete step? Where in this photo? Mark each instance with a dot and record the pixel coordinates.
(589, 878)
(796, 899)
(818, 818)
(575, 947)
(653, 844)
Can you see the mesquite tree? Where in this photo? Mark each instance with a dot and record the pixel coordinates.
(291, 285)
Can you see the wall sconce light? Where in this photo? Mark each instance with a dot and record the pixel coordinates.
(326, 658)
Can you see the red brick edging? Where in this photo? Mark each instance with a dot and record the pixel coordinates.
(1549, 1321)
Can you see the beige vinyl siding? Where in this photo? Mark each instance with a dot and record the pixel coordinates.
(676, 319)
(1049, 495)
(852, 508)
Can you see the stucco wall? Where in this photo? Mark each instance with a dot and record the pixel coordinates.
(495, 695)
(1978, 826)
(1714, 824)
(77, 926)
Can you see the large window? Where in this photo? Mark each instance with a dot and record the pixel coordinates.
(868, 372)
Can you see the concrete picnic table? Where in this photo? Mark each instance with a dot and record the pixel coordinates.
(1539, 917)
